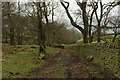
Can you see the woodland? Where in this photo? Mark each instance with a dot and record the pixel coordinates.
(61, 39)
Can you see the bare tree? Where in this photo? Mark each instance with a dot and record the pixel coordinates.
(115, 22)
(18, 28)
(85, 18)
(8, 9)
(103, 15)
(40, 27)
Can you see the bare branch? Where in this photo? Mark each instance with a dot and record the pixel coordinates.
(69, 16)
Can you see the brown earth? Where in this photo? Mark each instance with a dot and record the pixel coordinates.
(76, 67)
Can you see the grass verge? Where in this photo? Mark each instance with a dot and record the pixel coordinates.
(20, 59)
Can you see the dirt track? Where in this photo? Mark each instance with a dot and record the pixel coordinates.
(75, 68)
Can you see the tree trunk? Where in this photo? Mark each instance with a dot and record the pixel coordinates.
(19, 34)
(90, 36)
(99, 33)
(11, 31)
(6, 39)
(119, 42)
(41, 30)
(21, 37)
(42, 42)
(52, 15)
(38, 39)
(85, 38)
(11, 27)
(114, 38)
(18, 38)
(85, 20)
(90, 27)
(45, 13)
(12, 36)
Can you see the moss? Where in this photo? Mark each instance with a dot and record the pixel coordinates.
(81, 40)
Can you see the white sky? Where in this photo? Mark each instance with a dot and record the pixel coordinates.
(73, 6)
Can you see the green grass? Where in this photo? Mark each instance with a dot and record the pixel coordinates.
(22, 59)
(59, 72)
(52, 51)
(106, 57)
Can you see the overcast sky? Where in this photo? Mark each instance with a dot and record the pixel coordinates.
(73, 6)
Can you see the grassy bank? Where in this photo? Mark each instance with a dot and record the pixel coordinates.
(106, 57)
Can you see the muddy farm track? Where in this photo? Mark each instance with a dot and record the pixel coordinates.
(69, 65)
